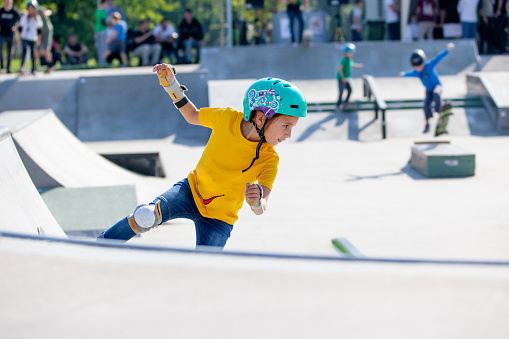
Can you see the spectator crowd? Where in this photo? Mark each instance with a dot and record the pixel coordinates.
(30, 32)
(483, 20)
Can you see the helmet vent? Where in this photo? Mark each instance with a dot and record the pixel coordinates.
(276, 82)
(287, 85)
(294, 106)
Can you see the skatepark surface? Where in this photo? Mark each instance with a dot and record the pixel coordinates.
(444, 240)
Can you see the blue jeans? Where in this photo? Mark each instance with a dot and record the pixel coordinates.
(432, 96)
(26, 44)
(8, 40)
(342, 87)
(294, 13)
(394, 31)
(356, 36)
(178, 202)
(469, 30)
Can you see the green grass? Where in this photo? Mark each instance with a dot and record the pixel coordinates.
(91, 64)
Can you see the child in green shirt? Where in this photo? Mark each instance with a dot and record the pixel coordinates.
(343, 74)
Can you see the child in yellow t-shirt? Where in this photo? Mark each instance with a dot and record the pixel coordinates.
(238, 163)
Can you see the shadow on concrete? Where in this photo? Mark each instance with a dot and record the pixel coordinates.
(407, 169)
(479, 122)
(5, 86)
(351, 118)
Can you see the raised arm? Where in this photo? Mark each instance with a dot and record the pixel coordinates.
(433, 62)
(167, 79)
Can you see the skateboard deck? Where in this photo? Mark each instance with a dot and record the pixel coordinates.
(443, 119)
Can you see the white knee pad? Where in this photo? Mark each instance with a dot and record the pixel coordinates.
(145, 217)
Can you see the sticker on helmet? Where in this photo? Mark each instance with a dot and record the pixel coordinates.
(267, 99)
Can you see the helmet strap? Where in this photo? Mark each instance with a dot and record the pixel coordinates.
(261, 133)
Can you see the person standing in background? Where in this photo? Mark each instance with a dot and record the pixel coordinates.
(486, 27)
(356, 26)
(392, 19)
(100, 35)
(467, 10)
(500, 35)
(9, 17)
(426, 12)
(294, 9)
(44, 49)
(30, 26)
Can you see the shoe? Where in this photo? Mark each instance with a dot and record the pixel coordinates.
(426, 129)
(34, 73)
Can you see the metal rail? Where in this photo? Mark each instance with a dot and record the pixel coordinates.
(370, 90)
(377, 103)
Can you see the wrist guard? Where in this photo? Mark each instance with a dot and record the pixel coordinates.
(258, 204)
(174, 89)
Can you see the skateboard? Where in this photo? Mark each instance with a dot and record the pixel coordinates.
(443, 119)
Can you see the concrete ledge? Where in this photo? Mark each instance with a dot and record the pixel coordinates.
(321, 61)
(442, 160)
(110, 104)
(492, 87)
(136, 107)
(87, 211)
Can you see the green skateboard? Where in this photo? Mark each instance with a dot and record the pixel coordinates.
(443, 120)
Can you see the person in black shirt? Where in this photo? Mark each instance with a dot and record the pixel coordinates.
(9, 17)
(75, 52)
(191, 35)
(145, 45)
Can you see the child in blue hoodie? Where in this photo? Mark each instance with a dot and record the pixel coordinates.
(429, 77)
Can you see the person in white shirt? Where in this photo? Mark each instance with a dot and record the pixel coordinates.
(356, 26)
(165, 35)
(467, 9)
(30, 26)
(392, 19)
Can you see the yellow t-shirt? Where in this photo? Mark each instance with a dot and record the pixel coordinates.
(217, 182)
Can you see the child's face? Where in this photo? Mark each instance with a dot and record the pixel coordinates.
(419, 68)
(280, 129)
(31, 10)
(349, 55)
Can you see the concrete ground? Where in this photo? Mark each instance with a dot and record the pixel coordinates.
(344, 181)
(337, 178)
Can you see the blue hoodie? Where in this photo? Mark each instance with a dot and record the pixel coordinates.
(428, 76)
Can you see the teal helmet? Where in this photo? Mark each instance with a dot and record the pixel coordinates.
(271, 96)
(349, 48)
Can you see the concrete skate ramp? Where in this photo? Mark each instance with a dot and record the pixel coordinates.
(110, 104)
(21, 207)
(492, 87)
(54, 157)
(103, 289)
(321, 61)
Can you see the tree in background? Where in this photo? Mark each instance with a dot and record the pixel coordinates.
(77, 16)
